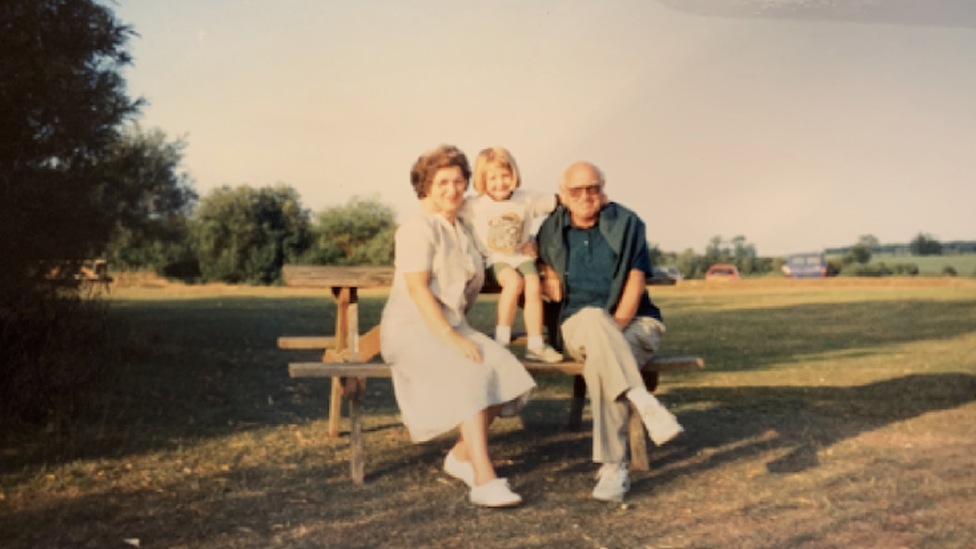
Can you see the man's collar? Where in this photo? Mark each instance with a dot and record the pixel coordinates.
(567, 218)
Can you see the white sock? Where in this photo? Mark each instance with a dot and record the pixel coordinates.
(611, 467)
(640, 397)
(536, 342)
(503, 334)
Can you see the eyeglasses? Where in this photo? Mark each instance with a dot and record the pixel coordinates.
(591, 190)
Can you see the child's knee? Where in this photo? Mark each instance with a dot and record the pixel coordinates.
(511, 280)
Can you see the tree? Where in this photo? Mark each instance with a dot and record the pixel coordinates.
(153, 200)
(859, 253)
(924, 244)
(744, 255)
(245, 235)
(869, 241)
(63, 101)
(360, 232)
(715, 252)
(657, 257)
(690, 265)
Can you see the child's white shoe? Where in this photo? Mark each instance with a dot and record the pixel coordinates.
(544, 354)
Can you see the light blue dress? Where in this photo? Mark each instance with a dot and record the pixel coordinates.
(436, 387)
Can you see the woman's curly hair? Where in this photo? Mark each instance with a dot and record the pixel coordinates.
(424, 169)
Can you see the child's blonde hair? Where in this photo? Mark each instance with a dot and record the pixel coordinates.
(494, 156)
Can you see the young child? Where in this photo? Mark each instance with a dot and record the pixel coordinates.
(501, 220)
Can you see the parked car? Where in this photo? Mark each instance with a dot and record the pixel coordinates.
(659, 276)
(672, 272)
(812, 265)
(722, 271)
(667, 272)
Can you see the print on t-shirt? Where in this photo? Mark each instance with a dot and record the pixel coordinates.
(504, 233)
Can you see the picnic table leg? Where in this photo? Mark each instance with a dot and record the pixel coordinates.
(638, 441)
(355, 388)
(355, 391)
(577, 403)
(342, 299)
(637, 433)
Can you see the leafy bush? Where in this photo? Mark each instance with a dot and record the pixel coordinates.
(861, 269)
(949, 270)
(360, 232)
(245, 235)
(905, 269)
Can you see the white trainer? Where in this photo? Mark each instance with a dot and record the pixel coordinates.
(461, 470)
(661, 424)
(544, 354)
(614, 482)
(494, 494)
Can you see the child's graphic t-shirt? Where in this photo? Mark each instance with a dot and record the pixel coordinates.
(500, 228)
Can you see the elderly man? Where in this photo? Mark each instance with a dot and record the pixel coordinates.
(598, 252)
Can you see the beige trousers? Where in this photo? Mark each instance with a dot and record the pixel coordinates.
(610, 368)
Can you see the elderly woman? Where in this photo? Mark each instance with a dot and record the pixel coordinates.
(446, 374)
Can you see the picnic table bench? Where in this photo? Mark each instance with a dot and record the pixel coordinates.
(81, 274)
(347, 357)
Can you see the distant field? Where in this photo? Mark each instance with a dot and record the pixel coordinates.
(965, 265)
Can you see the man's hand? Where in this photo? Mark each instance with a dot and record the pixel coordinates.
(551, 287)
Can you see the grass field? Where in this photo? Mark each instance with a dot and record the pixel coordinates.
(833, 413)
(965, 265)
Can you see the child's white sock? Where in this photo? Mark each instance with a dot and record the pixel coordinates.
(503, 334)
(536, 342)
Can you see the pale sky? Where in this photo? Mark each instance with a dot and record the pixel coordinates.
(797, 129)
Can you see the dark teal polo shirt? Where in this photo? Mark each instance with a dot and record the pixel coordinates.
(588, 270)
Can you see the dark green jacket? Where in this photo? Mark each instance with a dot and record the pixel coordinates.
(622, 229)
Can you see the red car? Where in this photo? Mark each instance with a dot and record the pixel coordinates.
(722, 271)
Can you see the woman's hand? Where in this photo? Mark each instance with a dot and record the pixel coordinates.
(467, 347)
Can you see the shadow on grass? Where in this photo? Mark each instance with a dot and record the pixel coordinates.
(407, 501)
(212, 367)
(733, 424)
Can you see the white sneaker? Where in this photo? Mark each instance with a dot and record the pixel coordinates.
(614, 482)
(661, 424)
(544, 354)
(461, 470)
(494, 494)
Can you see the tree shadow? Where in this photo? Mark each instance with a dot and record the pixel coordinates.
(743, 423)
(212, 369)
(407, 495)
(930, 13)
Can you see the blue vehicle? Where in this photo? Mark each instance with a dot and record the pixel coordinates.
(812, 265)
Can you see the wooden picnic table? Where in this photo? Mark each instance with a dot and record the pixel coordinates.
(347, 355)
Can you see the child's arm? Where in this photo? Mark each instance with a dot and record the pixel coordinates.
(466, 213)
(540, 204)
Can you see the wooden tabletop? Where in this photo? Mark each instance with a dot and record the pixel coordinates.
(320, 276)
